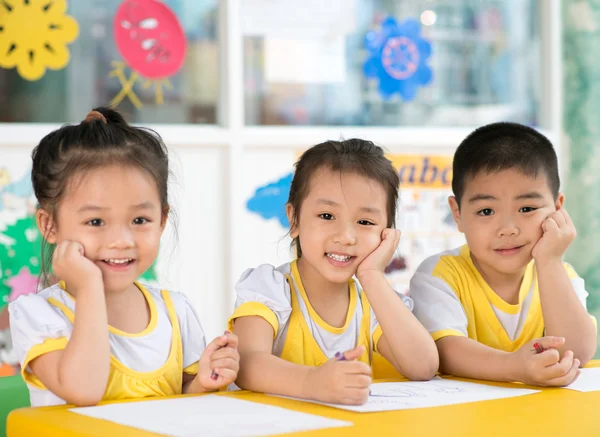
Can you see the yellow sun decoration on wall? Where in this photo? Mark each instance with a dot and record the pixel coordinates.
(34, 35)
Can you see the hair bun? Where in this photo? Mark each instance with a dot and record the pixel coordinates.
(94, 115)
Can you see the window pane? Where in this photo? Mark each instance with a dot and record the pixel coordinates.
(484, 60)
(94, 76)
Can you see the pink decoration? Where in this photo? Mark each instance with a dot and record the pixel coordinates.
(149, 38)
(23, 283)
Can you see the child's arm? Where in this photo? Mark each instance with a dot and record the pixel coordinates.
(409, 348)
(336, 381)
(564, 315)
(79, 373)
(404, 342)
(465, 357)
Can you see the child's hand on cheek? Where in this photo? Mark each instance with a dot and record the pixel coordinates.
(70, 264)
(558, 233)
(378, 260)
(219, 364)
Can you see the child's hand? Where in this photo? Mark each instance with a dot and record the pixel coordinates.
(546, 368)
(379, 259)
(70, 264)
(559, 232)
(219, 364)
(340, 381)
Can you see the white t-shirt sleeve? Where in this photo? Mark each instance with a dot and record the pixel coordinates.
(578, 285)
(437, 307)
(263, 292)
(36, 328)
(192, 334)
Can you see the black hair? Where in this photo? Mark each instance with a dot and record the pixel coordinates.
(502, 146)
(103, 138)
(352, 156)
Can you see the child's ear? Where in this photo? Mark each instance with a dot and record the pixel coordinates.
(455, 212)
(45, 224)
(164, 218)
(560, 201)
(289, 212)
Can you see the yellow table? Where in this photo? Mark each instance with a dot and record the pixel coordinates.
(552, 412)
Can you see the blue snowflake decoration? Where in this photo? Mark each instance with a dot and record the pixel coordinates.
(397, 57)
(269, 201)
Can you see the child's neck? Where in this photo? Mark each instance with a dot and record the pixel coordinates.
(330, 300)
(127, 310)
(506, 285)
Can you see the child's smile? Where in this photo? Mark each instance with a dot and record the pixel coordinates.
(340, 259)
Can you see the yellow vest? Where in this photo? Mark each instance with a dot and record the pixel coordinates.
(124, 383)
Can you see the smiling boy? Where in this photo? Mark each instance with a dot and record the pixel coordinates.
(505, 307)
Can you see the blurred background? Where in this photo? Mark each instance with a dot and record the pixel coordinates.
(247, 85)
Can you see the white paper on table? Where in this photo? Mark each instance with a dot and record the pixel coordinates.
(588, 380)
(305, 60)
(209, 415)
(298, 19)
(389, 396)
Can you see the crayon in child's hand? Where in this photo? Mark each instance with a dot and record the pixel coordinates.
(340, 356)
(538, 348)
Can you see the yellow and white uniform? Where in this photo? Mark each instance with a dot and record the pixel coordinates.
(452, 298)
(149, 363)
(300, 335)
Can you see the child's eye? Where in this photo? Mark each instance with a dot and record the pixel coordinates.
(366, 223)
(486, 212)
(95, 222)
(527, 209)
(140, 221)
(326, 216)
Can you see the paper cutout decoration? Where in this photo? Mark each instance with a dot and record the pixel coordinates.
(22, 284)
(20, 250)
(269, 200)
(152, 43)
(34, 35)
(397, 58)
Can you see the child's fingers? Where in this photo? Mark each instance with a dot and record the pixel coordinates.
(226, 374)
(566, 215)
(568, 378)
(561, 368)
(391, 235)
(59, 251)
(357, 368)
(79, 248)
(358, 381)
(559, 218)
(355, 396)
(550, 342)
(225, 363)
(216, 344)
(225, 352)
(548, 358)
(397, 235)
(354, 354)
(550, 225)
(232, 340)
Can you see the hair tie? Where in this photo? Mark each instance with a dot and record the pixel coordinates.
(95, 115)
